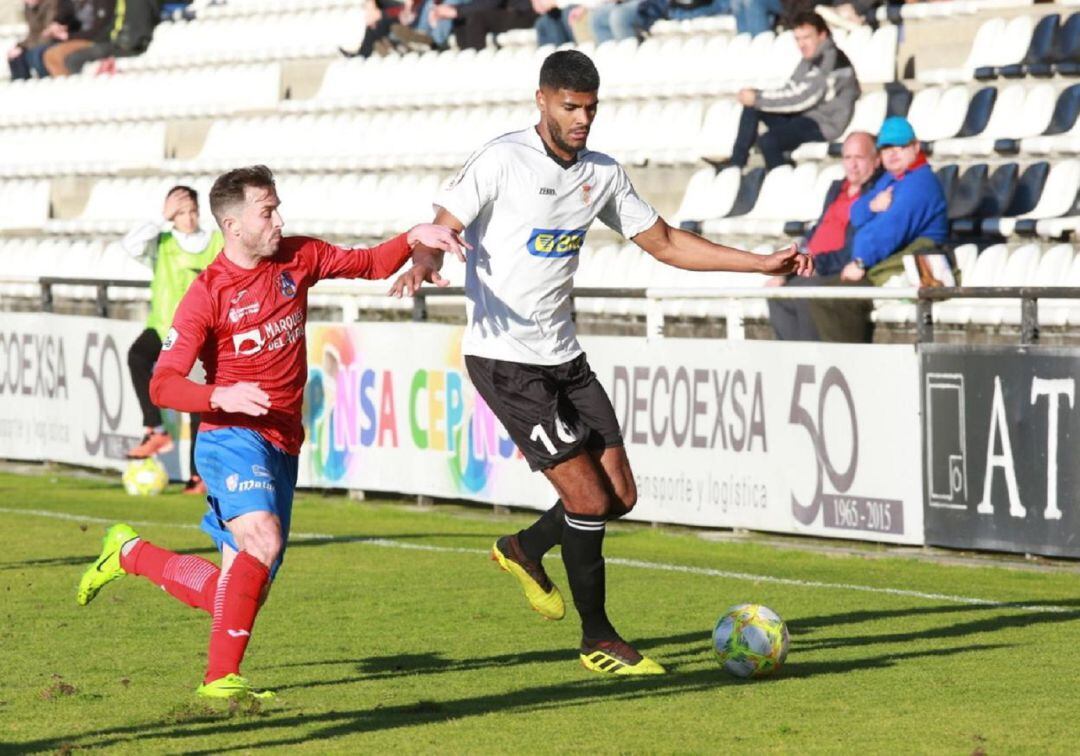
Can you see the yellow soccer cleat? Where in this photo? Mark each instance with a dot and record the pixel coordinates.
(617, 657)
(542, 594)
(232, 686)
(107, 567)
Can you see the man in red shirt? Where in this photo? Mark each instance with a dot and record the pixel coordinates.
(244, 317)
(830, 241)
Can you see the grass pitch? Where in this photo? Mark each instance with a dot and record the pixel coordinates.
(389, 630)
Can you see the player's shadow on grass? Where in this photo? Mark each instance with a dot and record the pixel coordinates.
(370, 669)
(1024, 615)
(84, 560)
(804, 625)
(280, 727)
(210, 552)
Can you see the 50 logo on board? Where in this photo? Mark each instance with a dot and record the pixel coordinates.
(102, 366)
(839, 509)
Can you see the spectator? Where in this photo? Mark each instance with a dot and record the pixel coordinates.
(903, 213)
(554, 24)
(46, 22)
(681, 10)
(117, 29)
(815, 105)
(830, 240)
(176, 251)
(755, 16)
(474, 20)
(850, 15)
(651, 11)
(380, 17)
(431, 28)
(616, 20)
(95, 21)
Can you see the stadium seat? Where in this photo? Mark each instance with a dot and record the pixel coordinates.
(997, 43)
(984, 272)
(1062, 135)
(966, 195)
(978, 112)
(1067, 49)
(997, 195)
(938, 113)
(98, 148)
(872, 53)
(749, 188)
(695, 202)
(786, 194)
(718, 130)
(1054, 270)
(1054, 228)
(141, 96)
(1019, 270)
(24, 205)
(1038, 59)
(1043, 191)
(898, 99)
(713, 200)
(948, 175)
(1018, 112)
(297, 35)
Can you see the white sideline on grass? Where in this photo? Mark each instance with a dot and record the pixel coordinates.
(636, 563)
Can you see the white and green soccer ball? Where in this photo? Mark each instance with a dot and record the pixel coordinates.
(750, 640)
(145, 477)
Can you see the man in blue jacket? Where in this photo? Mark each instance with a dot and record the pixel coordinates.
(904, 210)
(906, 203)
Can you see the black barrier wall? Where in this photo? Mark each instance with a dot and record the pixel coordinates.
(1001, 468)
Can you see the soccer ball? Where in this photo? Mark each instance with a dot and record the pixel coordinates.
(750, 640)
(145, 477)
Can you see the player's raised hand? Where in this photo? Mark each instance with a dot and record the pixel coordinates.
(244, 398)
(408, 282)
(788, 261)
(434, 236)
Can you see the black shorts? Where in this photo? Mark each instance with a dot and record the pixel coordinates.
(551, 412)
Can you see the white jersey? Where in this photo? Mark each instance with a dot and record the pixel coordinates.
(526, 216)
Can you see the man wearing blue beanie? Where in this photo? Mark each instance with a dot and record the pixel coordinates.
(906, 203)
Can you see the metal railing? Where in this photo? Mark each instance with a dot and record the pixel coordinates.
(923, 299)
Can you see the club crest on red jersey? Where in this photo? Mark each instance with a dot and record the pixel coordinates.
(287, 285)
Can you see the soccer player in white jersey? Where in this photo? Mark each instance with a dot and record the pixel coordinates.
(525, 201)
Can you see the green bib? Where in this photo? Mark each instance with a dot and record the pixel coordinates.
(174, 270)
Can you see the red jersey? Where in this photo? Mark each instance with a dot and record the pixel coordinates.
(248, 325)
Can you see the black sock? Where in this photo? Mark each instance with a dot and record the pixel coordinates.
(582, 553)
(544, 534)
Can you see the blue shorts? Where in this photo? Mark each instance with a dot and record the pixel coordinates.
(244, 473)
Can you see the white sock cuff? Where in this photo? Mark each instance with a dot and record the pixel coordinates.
(585, 523)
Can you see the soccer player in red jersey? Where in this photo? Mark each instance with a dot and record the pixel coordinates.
(244, 317)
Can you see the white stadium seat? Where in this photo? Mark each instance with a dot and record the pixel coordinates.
(938, 113)
(1056, 199)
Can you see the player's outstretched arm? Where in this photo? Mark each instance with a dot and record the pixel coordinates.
(689, 251)
(432, 241)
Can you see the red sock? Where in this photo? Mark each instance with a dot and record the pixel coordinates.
(191, 579)
(235, 606)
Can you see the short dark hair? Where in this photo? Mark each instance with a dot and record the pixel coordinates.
(569, 69)
(191, 193)
(810, 18)
(228, 189)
